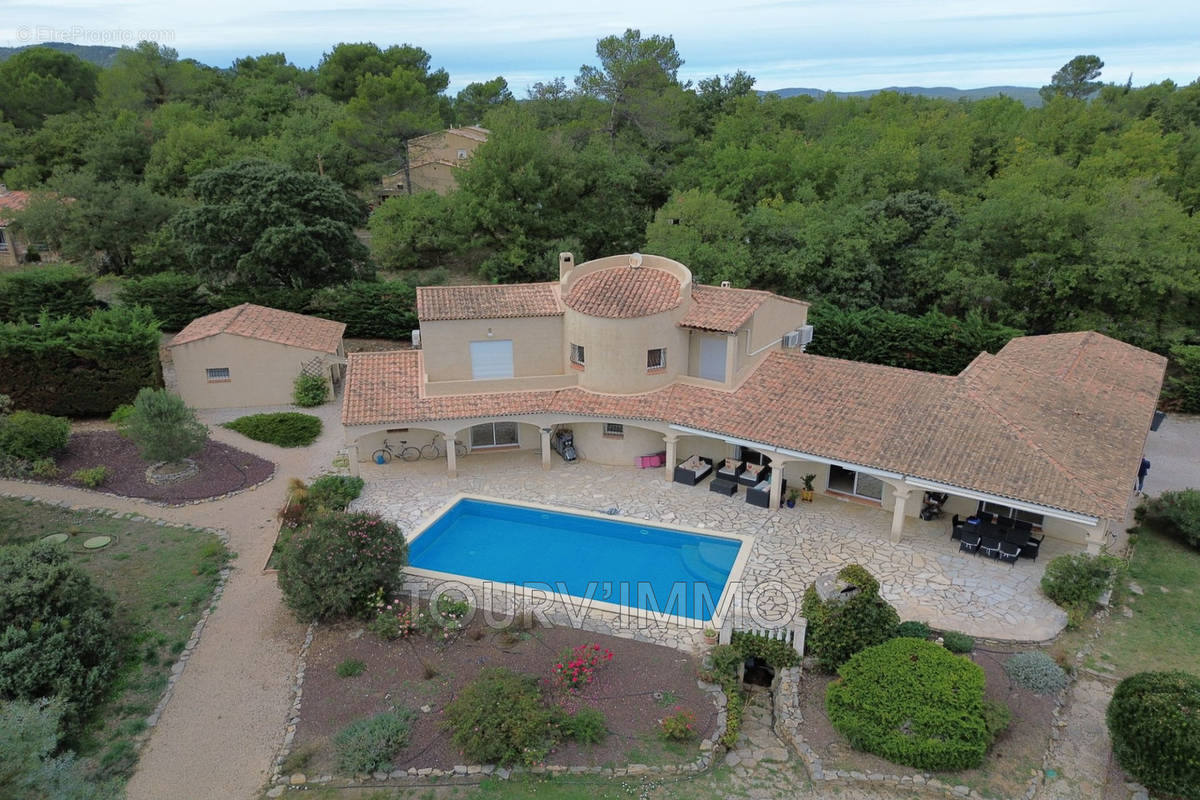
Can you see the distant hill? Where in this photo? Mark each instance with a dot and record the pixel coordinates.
(1026, 94)
(100, 55)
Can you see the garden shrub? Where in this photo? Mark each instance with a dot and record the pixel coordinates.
(393, 620)
(60, 291)
(1036, 671)
(80, 367)
(957, 642)
(444, 618)
(371, 310)
(334, 492)
(997, 716)
(175, 298)
(120, 418)
(913, 630)
(31, 436)
(1154, 721)
(368, 745)
(286, 428)
(499, 718)
(44, 468)
(586, 726)
(331, 567)
(164, 428)
(679, 725)
(309, 391)
(775, 652)
(32, 764)
(721, 667)
(91, 477)
(575, 669)
(837, 628)
(912, 702)
(350, 668)
(1075, 582)
(1175, 513)
(58, 634)
(1183, 379)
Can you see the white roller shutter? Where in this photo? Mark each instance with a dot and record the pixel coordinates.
(491, 359)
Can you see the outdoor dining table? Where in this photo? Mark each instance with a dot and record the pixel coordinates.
(991, 535)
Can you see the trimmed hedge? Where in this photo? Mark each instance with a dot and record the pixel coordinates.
(383, 310)
(1154, 721)
(286, 428)
(80, 367)
(309, 391)
(1075, 582)
(778, 654)
(838, 629)
(913, 703)
(334, 492)
(61, 291)
(176, 299)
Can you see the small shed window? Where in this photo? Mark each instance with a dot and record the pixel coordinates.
(656, 358)
(577, 354)
(614, 429)
(217, 374)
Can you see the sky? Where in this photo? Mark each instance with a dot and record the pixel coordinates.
(824, 44)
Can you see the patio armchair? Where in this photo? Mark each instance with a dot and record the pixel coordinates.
(956, 527)
(990, 546)
(754, 474)
(969, 542)
(760, 494)
(1009, 552)
(1032, 545)
(730, 469)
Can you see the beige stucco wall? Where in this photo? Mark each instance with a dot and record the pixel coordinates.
(260, 373)
(434, 177)
(593, 445)
(537, 346)
(774, 318)
(13, 249)
(615, 351)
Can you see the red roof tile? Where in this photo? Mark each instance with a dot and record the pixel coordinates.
(267, 324)
(624, 292)
(12, 200)
(488, 301)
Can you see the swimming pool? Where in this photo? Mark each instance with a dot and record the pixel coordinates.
(606, 560)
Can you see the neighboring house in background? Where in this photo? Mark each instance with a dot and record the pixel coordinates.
(250, 355)
(433, 162)
(14, 249)
(635, 359)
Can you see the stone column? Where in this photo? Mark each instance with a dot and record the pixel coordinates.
(352, 458)
(1097, 537)
(901, 494)
(669, 467)
(451, 456)
(776, 483)
(545, 448)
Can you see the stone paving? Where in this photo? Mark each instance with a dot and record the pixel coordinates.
(924, 575)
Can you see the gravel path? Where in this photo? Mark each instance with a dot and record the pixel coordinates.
(221, 729)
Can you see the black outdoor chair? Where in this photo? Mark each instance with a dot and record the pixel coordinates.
(968, 542)
(990, 546)
(955, 527)
(1009, 552)
(1004, 522)
(1032, 546)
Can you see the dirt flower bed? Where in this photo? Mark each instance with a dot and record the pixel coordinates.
(223, 469)
(640, 685)
(1010, 760)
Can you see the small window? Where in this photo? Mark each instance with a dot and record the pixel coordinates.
(217, 374)
(462, 154)
(577, 354)
(614, 429)
(656, 358)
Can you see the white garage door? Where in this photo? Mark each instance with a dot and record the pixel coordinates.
(491, 359)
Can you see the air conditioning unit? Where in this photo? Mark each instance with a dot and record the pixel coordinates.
(416, 339)
(791, 340)
(798, 338)
(806, 335)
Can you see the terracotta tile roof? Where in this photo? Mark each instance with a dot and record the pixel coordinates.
(267, 324)
(1059, 437)
(12, 200)
(488, 301)
(722, 309)
(624, 292)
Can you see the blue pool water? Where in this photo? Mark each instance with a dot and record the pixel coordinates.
(628, 564)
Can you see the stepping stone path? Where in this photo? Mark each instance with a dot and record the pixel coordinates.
(1081, 748)
(757, 741)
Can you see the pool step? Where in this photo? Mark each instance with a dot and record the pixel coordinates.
(699, 569)
(716, 556)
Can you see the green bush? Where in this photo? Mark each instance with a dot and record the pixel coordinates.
(164, 428)
(91, 477)
(1175, 513)
(1154, 721)
(368, 745)
(58, 634)
(997, 716)
(80, 367)
(1075, 582)
(586, 726)
(1035, 671)
(957, 642)
(1183, 381)
(31, 436)
(383, 310)
(120, 418)
(679, 725)
(837, 628)
(350, 668)
(32, 765)
(331, 567)
(499, 718)
(334, 492)
(912, 702)
(721, 667)
(286, 428)
(61, 291)
(778, 654)
(913, 630)
(175, 298)
(309, 391)
(44, 468)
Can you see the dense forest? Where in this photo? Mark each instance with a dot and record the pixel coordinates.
(253, 179)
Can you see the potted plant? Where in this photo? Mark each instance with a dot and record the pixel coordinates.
(807, 494)
(791, 497)
(710, 635)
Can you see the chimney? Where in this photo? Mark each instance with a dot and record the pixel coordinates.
(3, 188)
(565, 262)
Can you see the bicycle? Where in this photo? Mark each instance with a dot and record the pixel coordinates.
(407, 451)
(432, 450)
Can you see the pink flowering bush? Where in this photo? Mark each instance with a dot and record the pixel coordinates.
(679, 726)
(332, 566)
(393, 619)
(576, 669)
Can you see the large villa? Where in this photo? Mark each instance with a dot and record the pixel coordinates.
(642, 366)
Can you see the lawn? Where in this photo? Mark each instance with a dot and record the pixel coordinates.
(1164, 631)
(162, 579)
